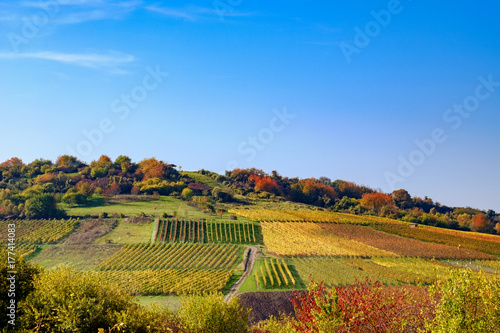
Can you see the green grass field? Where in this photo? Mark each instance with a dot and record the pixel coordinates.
(171, 303)
(127, 233)
(165, 204)
(80, 257)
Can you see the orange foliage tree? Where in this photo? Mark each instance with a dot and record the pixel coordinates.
(264, 184)
(375, 201)
(480, 223)
(152, 168)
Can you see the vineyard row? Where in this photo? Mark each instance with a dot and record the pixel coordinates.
(201, 231)
(169, 255)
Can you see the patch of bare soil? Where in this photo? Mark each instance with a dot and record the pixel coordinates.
(267, 304)
(89, 230)
(137, 220)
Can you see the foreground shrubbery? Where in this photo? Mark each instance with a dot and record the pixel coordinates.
(64, 300)
(467, 302)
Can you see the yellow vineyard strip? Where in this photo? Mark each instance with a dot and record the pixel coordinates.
(171, 281)
(166, 255)
(310, 239)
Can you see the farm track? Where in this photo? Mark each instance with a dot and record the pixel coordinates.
(249, 261)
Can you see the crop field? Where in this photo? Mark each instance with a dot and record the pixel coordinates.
(489, 244)
(263, 215)
(333, 271)
(24, 249)
(170, 281)
(201, 231)
(274, 273)
(39, 231)
(311, 239)
(400, 245)
(179, 256)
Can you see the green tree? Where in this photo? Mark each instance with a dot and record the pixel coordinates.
(42, 206)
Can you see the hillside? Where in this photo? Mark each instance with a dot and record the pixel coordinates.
(189, 233)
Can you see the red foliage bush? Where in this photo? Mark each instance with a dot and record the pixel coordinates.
(362, 307)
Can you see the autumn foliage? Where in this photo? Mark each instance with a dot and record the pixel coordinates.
(264, 184)
(375, 201)
(362, 307)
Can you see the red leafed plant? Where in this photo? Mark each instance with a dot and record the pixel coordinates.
(362, 307)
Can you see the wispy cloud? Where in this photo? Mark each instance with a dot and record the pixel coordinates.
(193, 13)
(98, 61)
(173, 13)
(80, 11)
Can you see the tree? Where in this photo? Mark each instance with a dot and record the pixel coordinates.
(124, 163)
(152, 168)
(100, 168)
(402, 199)
(375, 201)
(480, 223)
(311, 191)
(68, 163)
(42, 206)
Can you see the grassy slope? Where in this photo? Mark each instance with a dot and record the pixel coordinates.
(204, 179)
(164, 204)
(127, 233)
(80, 257)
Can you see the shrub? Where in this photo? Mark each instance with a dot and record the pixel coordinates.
(42, 206)
(187, 193)
(210, 314)
(362, 307)
(25, 275)
(65, 300)
(469, 302)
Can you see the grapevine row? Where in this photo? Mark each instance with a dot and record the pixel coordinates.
(167, 255)
(201, 231)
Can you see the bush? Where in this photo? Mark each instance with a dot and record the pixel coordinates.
(362, 307)
(74, 198)
(187, 193)
(66, 300)
(469, 302)
(42, 206)
(26, 273)
(210, 314)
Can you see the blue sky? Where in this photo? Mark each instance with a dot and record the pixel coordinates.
(342, 90)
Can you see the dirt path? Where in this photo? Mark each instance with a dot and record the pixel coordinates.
(249, 260)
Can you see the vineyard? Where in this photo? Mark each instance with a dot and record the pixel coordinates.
(170, 281)
(263, 215)
(486, 244)
(400, 245)
(201, 231)
(178, 256)
(274, 273)
(310, 239)
(39, 231)
(333, 271)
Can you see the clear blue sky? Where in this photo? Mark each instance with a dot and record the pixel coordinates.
(335, 89)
